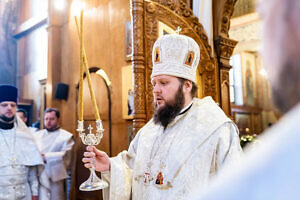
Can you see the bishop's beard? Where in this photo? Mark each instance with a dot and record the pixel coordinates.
(167, 113)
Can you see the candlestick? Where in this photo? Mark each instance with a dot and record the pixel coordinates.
(93, 182)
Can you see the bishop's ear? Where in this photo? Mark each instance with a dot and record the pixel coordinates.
(187, 86)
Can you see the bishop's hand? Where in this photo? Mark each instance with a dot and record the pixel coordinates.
(96, 158)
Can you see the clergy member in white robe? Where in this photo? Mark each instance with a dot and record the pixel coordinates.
(186, 142)
(20, 160)
(55, 145)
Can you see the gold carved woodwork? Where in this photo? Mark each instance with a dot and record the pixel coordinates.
(138, 63)
(225, 91)
(226, 15)
(224, 49)
(145, 17)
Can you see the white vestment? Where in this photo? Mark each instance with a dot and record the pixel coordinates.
(20, 164)
(57, 148)
(270, 169)
(188, 152)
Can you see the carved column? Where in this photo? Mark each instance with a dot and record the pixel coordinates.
(138, 64)
(224, 50)
(222, 12)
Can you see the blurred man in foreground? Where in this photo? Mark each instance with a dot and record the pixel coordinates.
(272, 169)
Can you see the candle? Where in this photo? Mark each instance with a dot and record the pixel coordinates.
(80, 95)
(97, 116)
(83, 62)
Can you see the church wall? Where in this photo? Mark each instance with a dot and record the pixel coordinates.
(31, 54)
(8, 45)
(32, 70)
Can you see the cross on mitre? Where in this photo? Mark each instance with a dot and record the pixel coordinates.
(178, 30)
